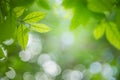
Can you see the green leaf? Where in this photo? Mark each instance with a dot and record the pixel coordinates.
(99, 30)
(34, 17)
(1, 53)
(81, 16)
(70, 5)
(42, 28)
(101, 5)
(44, 4)
(117, 17)
(113, 34)
(7, 28)
(19, 11)
(22, 36)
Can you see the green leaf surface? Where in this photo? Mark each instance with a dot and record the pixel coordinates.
(1, 53)
(81, 16)
(100, 5)
(117, 17)
(7, 28)
(44, 4)
(70, 5)
(19, 11)
(99, 30)
(22, 36)
(42, 28)
(34, 17)
(113, 34)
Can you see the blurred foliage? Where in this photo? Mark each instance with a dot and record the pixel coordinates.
(70, 50)
(86, 10)
(43, 4)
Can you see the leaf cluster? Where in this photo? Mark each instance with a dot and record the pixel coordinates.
(29, 23)
(105, 14)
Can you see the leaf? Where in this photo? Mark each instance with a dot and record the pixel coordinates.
(117, 17)
(19, 11)
(22, 36)
(44, 4)
(113, 34)
(73, 4)
(70, 5)
(100, 5)
(7, 28)
(34, 17)
(81, 16)
(1, 53)
(99, 30)
(42, 28)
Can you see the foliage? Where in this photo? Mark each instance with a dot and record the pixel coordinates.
(28, 54)
(104, 10)
(22, 36)
(29, 20)
(19, 23)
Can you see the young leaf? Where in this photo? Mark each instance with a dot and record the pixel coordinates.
(22, 36)
(42, 28)
(19, 11)
(99, 30)
(34, 17)
(113, 35)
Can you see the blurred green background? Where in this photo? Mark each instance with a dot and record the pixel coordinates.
(69, 51)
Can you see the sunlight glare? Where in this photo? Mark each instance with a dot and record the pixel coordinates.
(51, 68)
(67, 38)
(72, 75)
(41, 76)
(11, 73)
(95, 67)
(28, 76)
